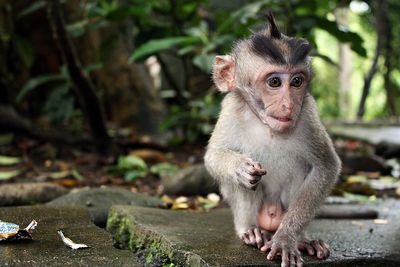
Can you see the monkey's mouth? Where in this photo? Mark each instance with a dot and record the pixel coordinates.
(282, 119)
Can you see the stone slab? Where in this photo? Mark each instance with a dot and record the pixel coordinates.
(207, 239)
(99, 200)
(47, 249)
(29, 193)
(373, 135)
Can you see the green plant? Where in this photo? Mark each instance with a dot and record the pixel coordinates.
(130, 167)
(194, 124)
(59, 105)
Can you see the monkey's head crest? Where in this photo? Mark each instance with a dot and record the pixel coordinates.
(272, 29)
(278, 48)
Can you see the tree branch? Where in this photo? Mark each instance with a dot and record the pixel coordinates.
(374, 67)
(12, 121)
(84, 88)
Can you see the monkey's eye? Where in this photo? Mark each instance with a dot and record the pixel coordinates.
(274, 82)
(296, 81)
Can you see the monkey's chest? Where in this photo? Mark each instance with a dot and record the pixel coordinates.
(286, 169)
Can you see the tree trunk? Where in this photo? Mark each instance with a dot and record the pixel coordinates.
(346, 66)
(379, 26)
(83, 86)
(388, 55)
(129, 96)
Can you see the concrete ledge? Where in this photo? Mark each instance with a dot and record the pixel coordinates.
(207, 239)
(47, 249)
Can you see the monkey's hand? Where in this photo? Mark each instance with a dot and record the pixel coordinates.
(249, 173)
(255, 237)
(314, 247)
(286, 247)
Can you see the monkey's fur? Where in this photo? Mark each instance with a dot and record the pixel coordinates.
(276, 129)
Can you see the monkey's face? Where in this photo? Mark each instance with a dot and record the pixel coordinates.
(276, 95)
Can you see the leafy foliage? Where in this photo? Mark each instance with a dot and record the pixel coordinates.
(190, 33)
(132, 167)
(194, 124)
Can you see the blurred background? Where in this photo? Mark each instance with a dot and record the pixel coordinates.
(119, 91)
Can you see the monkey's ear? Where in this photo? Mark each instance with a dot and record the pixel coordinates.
(224, 73)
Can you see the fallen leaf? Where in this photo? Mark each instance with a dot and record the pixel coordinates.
(7, 175)
(69, 243)
(178, 206)
(77, 175)
(181, 200)
(356, 179)
(67, 182)
(214, 197)
(6, 160)
(59, 175)
(149, 155)
(166, 199)
(381, 221)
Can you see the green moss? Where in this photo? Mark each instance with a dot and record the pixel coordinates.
(128, 235)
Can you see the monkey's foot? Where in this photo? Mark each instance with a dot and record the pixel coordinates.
(314, 247)
(255, 237)
(291, 256)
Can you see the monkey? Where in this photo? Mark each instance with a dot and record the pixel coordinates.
(269, 151)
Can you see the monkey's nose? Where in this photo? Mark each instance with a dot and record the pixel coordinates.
(287, 107)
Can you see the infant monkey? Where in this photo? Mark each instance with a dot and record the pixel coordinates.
(269, 151)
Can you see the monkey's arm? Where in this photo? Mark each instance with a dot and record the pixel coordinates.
(302, 208)
(308, 199)
(222, 159)
(228, 166)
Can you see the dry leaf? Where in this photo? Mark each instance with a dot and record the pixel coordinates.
(398, 191)
(381, 221)
(178, 206)
(69, 243)
(214, 197)
(181, 200)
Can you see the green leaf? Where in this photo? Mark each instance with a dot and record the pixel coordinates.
(133, 175)
(77, 175)
(343, 35)
(7, 175)
(37, 81)
(77, 28)
(325, 58)
(60, 174)
(164, 168)
(359, 198)
(59, 105)
(6, 160)
(204, 62)
(242, 15)
(31, 9)
(92, 67)
(123, 12)
(25, 50)
(131, 162)
(155, 46)
(6, 138)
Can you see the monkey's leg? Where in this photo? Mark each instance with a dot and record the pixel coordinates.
(314, 247)
(245, 205)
